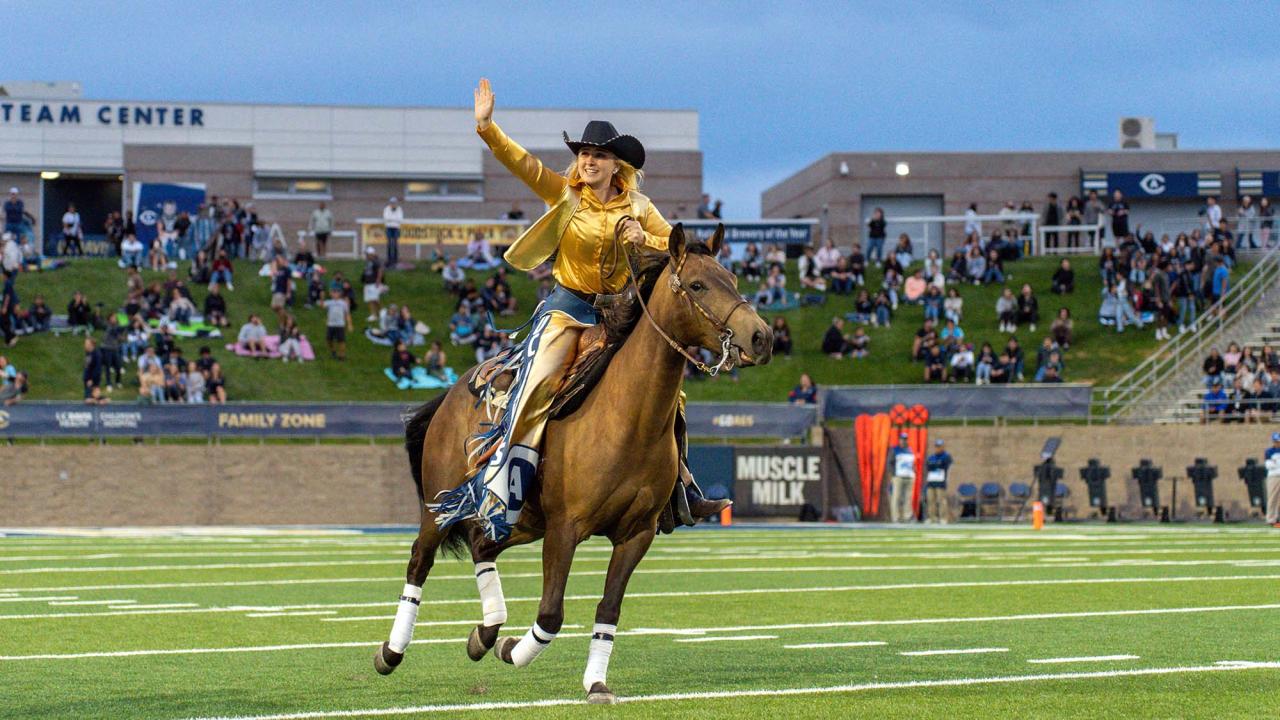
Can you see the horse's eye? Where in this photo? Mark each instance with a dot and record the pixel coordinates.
(697, 286)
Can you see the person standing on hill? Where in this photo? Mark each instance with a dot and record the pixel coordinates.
(392, 216)
(321, 225)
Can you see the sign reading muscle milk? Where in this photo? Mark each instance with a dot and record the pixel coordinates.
(499, 233)
(776, 481)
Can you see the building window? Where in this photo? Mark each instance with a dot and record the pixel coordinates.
(444, 189)
(285, 188)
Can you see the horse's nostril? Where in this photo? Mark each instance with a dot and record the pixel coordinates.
(757, 343)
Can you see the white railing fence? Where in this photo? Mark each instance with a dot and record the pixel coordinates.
(932, 228)
(342, 243)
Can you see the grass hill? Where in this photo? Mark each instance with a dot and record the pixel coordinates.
(1099, 354)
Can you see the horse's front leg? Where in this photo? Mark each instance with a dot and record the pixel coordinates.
(626, 556)
(557, 556)
(492, 602)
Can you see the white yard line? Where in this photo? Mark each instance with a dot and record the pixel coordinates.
(153, 606)
(91, 602)
(953, 651)
(669, 631)
(1093, 658)
(681, 594)
(816, 646)
(291, 614)
(39, 599)
(665, 571)
(731, 638)
(771, 692)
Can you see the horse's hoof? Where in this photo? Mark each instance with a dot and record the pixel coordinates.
(480, 641)
(502, 649)
(385, 659)
(600, 694)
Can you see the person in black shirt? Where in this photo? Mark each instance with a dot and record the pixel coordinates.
(215, 308)
(1064, 279)
(1052, 217)
(402, 361)
(781, 336)
(92, 376)
(205, 362)
(875, 236)
(833, 341)
(79, 316)
(1119, 212)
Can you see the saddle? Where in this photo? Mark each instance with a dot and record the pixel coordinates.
(596, 347)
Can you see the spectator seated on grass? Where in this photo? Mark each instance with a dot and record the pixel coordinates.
(131, 252)
(1003, 371)
(1048, 355)
(926, 338)
(950, 338)
(215, 307)
(775, 256)
(914, 288)
(402, 361)
(859, 343)
(773, 288)
(151, 381)
(840, 277)
(834, 342)
(725, 258)
(1014, 351)
(975, 265)
(882, 309)
(1007, 311)
(290, 340)
(935, 365)
(781, 336)
(751, 267)
(994, 272)
(903, 253)
(497, 297)
(858, 265)
(180, 308)
(222, 271)
(253, 337)
(961, 364)
(478, 256)
(1064, 279)
(215, 384)
(984, 363)
(41, 314)
(1028, 308)
(804, 393)
(453, 277)
(827, 257)
(435, 361)
(79, 314)
(304, 262)
(953, 305)
(194, 383)
(934, 272)
(12, 391)
(462, 326)
(1061, 329)
(864, 308)
(934, 303)
(810, 276)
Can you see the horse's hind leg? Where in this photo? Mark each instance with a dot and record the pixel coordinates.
(492, 603)
(626, 555)
(422, 557)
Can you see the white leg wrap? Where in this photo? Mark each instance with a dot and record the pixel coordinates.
(531, 646)
(406, 616)
(491, 600)
(598, 658)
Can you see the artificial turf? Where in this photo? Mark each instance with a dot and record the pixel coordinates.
(1099, 354)
(1185, 600)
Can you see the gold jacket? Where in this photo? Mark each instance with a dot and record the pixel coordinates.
(578, 225)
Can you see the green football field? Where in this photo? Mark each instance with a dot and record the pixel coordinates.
(967, 621)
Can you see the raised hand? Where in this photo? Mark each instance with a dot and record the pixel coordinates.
(484, 104)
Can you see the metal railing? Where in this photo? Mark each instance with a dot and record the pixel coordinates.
(348, 235)
(1184, 350)
(928, 221)
(1093, 235)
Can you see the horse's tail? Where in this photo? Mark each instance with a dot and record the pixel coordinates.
(415, 435)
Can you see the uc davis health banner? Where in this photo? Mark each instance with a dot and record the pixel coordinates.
(176, 420)
(776, 481)
(160, 202)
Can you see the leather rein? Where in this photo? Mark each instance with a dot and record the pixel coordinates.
(677, 287)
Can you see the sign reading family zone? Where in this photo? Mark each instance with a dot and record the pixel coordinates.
(22, 113)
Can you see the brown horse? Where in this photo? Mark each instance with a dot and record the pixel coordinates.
(607, 469)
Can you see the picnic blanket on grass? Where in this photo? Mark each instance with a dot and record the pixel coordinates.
(420, 380)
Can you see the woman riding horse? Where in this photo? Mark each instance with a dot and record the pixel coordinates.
(596, 195)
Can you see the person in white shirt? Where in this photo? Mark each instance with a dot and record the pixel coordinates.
(972, 225)
(321, 224)
(253, 337)
(71, 232)
(1212, 213)
(828, 257)
(392, 216)
(11, 255)
(131, 252)
(1272, 464)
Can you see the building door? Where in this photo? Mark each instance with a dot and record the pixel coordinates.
(94, 196)
(898, 209)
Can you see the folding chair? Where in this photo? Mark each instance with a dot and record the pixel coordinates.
(967, 495)
(990, 497)
(1016, 500)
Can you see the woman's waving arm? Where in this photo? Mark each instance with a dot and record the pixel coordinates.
(546, 183)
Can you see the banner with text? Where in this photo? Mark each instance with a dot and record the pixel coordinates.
(776, 481)
(961, 401)
(762, 420)
(158, 204)
(762, 232)
(499, 233)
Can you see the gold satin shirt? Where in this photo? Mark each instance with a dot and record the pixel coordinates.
(588, 239)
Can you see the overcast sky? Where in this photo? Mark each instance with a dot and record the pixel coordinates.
(777, 85)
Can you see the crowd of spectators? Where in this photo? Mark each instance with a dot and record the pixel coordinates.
(1242, 383)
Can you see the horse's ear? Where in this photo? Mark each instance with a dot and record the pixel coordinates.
(676, 244)
(716, 240)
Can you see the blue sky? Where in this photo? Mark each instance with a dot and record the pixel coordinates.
(777, 85)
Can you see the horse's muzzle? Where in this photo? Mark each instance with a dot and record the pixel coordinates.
(761, 350)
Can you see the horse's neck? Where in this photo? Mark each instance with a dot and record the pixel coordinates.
(647, 371)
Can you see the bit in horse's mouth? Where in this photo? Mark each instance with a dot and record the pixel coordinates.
(741, 358)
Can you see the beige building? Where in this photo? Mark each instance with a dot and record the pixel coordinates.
(57, 147)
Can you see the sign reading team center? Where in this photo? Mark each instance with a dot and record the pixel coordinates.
(26, 113)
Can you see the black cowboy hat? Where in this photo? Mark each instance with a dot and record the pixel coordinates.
(603, 134)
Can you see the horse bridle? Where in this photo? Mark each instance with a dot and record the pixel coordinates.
(678, 288)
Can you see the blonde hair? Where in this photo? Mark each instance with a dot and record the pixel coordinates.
(627, 176)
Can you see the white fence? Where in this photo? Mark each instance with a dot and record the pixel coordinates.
(932, 237)
(342, 243)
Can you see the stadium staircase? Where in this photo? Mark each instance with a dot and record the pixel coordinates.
(1168, 386)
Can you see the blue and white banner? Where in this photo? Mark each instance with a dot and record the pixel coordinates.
(761, 232)
(1062, 400)
(1153, 184)
(1258, 183)
(756, 420)
(156, 203)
